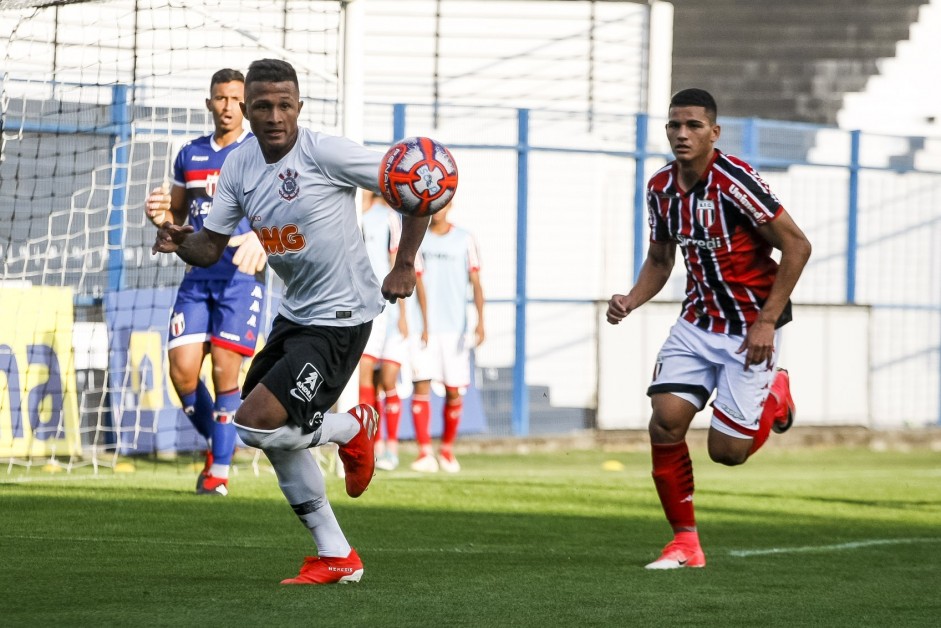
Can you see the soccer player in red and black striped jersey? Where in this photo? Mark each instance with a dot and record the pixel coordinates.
(726, 221)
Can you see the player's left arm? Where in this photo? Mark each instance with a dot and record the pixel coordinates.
(783, 234)
(346, 162)
(196, 248)
(400, 282)
(474, 277)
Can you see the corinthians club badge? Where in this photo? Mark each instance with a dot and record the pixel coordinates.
(289, 186)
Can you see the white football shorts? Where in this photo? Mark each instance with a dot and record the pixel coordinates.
(377, 337)
(693, 363)
(396, 348)
(445, 359)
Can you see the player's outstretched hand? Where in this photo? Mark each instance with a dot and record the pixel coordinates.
(618, 308)
(157, 205)
(170, 237)
(250, 256)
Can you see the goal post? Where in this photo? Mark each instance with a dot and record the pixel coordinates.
(96, 98)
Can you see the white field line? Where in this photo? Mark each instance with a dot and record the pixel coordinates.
(830, 548)
(467, 549)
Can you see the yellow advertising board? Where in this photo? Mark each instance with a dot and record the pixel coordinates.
(38, 404)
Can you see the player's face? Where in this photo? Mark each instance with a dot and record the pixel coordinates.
(272, 110)
(441, 217)
(691, 133)
(224, 103)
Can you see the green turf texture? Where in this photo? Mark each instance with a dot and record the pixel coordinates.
(828, 537)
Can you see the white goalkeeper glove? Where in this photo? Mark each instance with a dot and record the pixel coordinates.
(157, 206)
(250, 256)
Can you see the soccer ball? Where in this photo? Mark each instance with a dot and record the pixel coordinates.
(418, 176)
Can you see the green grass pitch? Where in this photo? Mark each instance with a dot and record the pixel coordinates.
(829, 537)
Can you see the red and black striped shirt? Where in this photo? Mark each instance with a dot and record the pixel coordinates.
(729, 266)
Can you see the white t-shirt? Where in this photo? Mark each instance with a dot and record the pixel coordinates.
(303, 210)
(446, 262)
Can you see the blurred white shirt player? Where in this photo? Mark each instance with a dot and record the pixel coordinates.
(386, 349)
(440, 349)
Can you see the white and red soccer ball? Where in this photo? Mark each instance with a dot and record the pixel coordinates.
(418, 176)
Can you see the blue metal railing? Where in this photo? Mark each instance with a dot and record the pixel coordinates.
(121, 124)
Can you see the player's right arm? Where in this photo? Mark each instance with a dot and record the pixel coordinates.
(403, 319)
(654, 274)
(400, 282)
(196, 248)
(422, 297)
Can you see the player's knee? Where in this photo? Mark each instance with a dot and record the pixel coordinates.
(664, 430)
(726, 449)
(670, 419)
(729, 459)
(287, 437)
(251, 437)
(182, 378)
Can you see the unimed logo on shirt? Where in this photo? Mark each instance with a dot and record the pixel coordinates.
(281, 240)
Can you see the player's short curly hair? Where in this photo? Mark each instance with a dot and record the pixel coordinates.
(226, 75)
(271, 71)
(695, 97)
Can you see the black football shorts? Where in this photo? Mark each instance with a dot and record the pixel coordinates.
(306, 367)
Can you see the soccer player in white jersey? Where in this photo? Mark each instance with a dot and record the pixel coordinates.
(382, 359)
(725, 219)
(440, 348)
(297, 187)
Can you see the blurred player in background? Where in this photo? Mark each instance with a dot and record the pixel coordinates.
(298, 188)
(440, 350)
(386, 349)
(726, 221)
(218, 308)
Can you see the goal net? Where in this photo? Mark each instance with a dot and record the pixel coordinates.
(96, 98)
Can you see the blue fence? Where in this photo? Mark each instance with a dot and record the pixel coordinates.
(844, 165)
(560, 212)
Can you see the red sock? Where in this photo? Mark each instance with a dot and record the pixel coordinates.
(673, 477)
(452, 418)
(421, 415)
(393, 412)
(367, 395)
(768, 413)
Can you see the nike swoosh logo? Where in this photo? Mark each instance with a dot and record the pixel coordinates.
(682, 562)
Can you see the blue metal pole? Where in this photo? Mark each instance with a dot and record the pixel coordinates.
(398, 122)
(640, 190)
(852, 218)
(121, 121)
(750, 141)
(520, 392)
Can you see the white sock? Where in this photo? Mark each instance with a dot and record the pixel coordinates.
(338, 428)
(303, 485)
(287, 437)
(219, 471)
